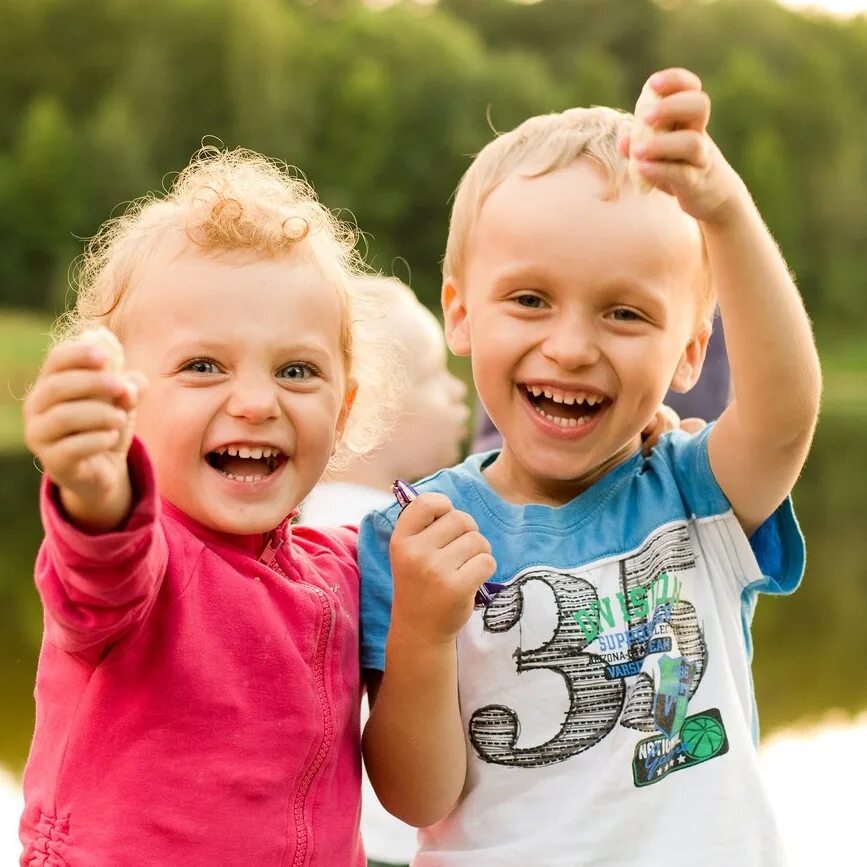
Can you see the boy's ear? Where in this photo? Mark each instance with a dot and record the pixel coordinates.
(455, 318)
(691, 362)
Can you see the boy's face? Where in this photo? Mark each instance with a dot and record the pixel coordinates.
(579, 312)
(242, 353)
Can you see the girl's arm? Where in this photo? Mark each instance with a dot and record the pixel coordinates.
(78, 422)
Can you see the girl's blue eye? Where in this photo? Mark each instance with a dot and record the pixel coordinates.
(201, 365)
(297, 371)
(532, 302)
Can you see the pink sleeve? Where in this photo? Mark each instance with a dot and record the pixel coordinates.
(96, 586)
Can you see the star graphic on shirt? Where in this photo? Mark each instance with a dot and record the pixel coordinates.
(681, 759)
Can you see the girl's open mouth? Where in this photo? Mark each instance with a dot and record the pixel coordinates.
(568, 409)
(244, 463)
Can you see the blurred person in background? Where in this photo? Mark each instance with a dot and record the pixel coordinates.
(431, 419)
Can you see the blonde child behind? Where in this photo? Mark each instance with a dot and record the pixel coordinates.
(430, 418)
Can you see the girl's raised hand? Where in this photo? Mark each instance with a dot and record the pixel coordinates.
(78, 422)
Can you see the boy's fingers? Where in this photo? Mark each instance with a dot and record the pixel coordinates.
(666, 176)
(477, 570)
(687, 109)
(74, 384)
(445, 529)
(422, 512)
(674, 79)
(680, 146)
(463, 549)
(624, 144)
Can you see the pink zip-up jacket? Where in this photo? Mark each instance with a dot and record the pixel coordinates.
(197, 697)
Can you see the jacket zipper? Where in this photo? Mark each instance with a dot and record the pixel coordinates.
(269, 558)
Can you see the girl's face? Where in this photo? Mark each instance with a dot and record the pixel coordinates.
(247, 391)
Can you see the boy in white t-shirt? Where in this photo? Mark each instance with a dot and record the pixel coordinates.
(600, 709)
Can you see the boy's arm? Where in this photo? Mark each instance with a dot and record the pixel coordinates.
(760, 442)
(413, 743)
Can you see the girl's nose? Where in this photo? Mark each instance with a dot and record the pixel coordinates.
(254, 401)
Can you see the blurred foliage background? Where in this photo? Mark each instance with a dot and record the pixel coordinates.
(382, 106)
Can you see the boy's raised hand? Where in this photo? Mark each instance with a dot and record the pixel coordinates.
(438, 560)
(78, 422)
(680, 158)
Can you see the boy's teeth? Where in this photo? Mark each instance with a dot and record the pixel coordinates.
(569, 398)
(565, 422)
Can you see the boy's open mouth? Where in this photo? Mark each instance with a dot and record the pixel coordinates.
(563, 407)
(246, 463)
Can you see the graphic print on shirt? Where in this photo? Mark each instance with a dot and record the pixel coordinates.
(634, 657)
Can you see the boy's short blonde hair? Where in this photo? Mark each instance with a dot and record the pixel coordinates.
(540, 145)
(232, 200)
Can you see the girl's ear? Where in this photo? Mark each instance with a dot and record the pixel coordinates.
(348, 401)
(455, 318)
(691, 362)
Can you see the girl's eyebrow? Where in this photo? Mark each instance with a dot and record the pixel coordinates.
(194, 346)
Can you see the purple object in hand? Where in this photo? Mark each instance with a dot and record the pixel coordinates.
(405, 493)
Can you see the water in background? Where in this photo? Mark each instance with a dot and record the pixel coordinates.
(808, 648)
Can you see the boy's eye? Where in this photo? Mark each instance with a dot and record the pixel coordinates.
(201, 365)
(624, 314)
(297, 371)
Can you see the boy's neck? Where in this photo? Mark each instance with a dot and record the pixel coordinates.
(514, 483)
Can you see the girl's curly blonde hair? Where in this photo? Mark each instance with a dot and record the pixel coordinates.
(238, 200)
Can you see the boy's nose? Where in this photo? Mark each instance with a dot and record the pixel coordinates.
(571, 345)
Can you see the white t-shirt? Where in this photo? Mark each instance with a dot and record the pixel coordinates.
(332, 504)
(606, 692)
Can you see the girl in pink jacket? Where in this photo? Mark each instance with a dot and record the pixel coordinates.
(198, 685)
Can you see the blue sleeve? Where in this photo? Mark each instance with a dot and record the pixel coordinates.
(778, 544)
(374, 535)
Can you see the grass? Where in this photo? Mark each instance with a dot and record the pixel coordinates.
(24, 340)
